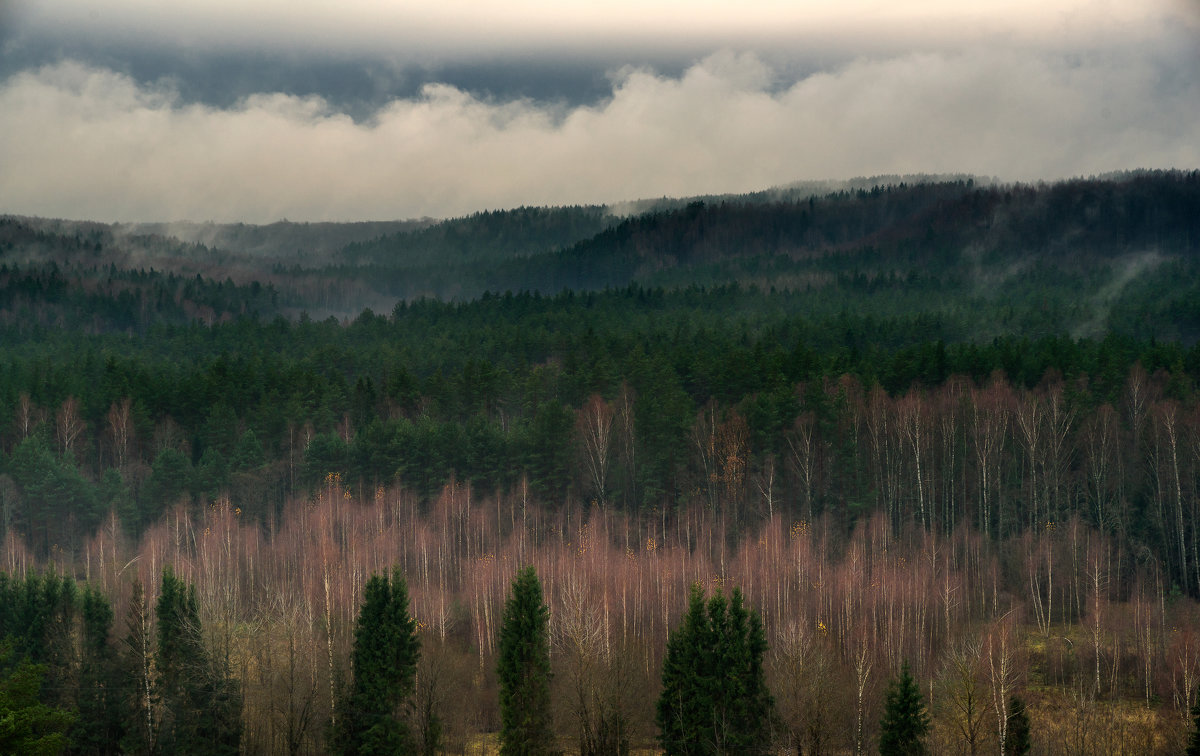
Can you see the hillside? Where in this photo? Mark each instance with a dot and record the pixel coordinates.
(1083, 258)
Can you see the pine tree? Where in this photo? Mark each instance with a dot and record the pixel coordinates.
(524, 670)
(384, 665)
(714, 697)
(905, 721)
(1018, 742)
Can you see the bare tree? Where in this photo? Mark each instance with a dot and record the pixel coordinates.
(27, 418)
(802, 672)
(1100, 453)
(594, 424)
(1168, 486)
(968, 696)
(803, 445)
(862, 662)
(120, 431)
(68, 425)
(913, 418)
(585, 667)
(989, 424)
(1002, 672)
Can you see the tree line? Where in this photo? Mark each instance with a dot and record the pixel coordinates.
(1096, 645)
(1115, 445)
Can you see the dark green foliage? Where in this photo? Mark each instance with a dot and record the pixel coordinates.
(171, 478)
(248, 455)
(200, 706)
(27, 725)
(905, 721)
(325, 454)
(59, 634)
(548, 450)
(373, 715)
(1019, 742)
(523, 668)
(103, 710)
(54, 491)
(714, 697)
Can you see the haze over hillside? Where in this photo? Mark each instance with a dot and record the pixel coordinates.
(1079, 257)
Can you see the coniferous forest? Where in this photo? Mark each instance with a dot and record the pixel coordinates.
(912, 465)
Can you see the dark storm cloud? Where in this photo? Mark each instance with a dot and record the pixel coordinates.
(356, 83)
(208, 114)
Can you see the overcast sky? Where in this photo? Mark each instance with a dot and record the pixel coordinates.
(256, 110)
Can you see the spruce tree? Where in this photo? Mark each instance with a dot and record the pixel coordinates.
(1018, 742)
(905, 721)
(524, 670)
(103, 712)
(714, 697)
(384, 666)
(200, 707)
(683, 704)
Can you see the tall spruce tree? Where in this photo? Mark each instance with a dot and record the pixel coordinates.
(524, 670)
(200, 705)
(683, 704)
(905, 721)
(103, 712)
(384, 664)
(714, 697)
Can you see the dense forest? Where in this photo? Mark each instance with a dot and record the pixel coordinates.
(947, 425)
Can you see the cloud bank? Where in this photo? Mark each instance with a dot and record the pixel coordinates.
(87, 142)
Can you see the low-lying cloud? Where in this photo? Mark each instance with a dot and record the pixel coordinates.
(87, 142)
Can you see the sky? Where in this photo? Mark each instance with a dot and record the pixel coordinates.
(311, 110)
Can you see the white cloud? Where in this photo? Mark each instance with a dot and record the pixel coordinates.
(90, 143)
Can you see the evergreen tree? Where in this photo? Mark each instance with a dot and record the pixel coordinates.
(1018, 742)
(102, 711)
(27, 725)
(714, 697)
(685, 683)
(524, 670)
(905, 721)
(200, 705)
(384, 664)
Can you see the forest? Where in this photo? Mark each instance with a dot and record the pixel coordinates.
(944, 427)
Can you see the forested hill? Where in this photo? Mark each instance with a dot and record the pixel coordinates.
(955, 232)
(1082, 257)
